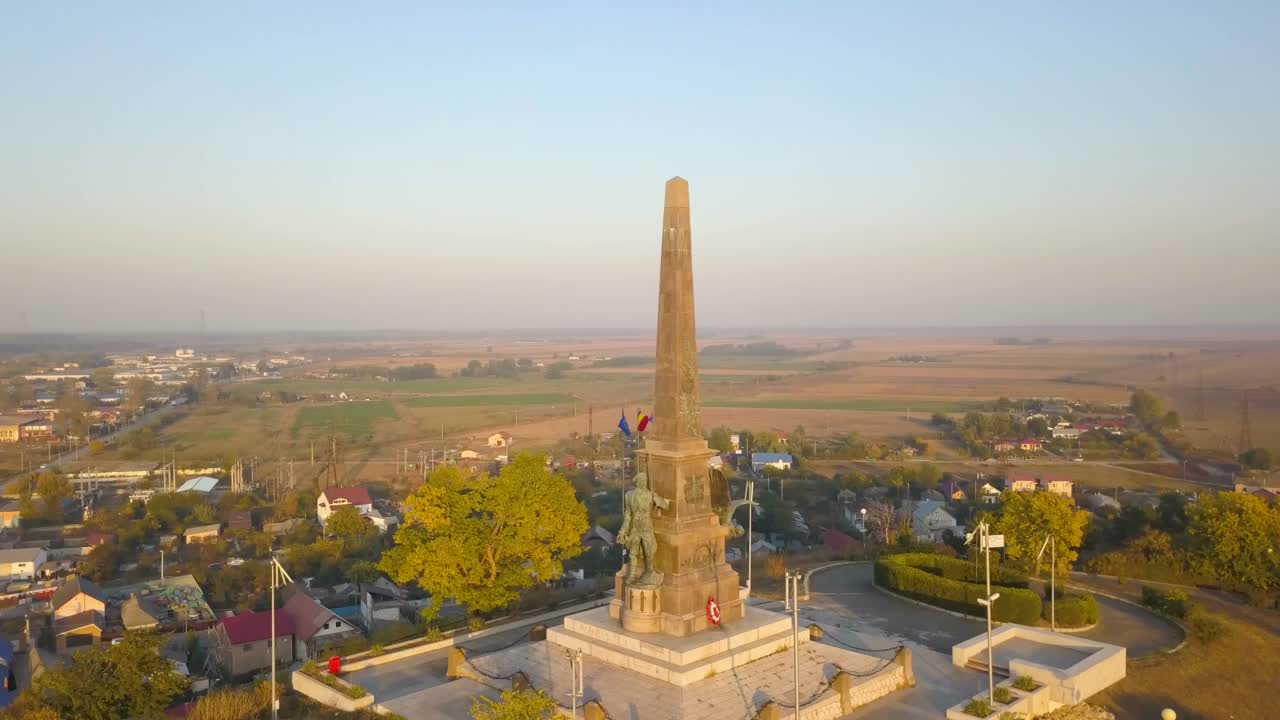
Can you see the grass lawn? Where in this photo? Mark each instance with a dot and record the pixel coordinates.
(871, 404)
(1233, 677)
(356, 418)
(490, 400)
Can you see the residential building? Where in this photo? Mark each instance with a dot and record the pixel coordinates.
(136, 617)
(598, 537)
(469, 454)
(241, 645)
(284, 527)
(381, 601)
(316, 627)
(10, 514)
(1066, 433)
(21, 563)
(202, 534)
(777, 461)
(990, 494)
(1021, 482)
(1058, 484)
(77, 631)
(13, 428)
(1003, 445)
(500, 440)
(383, 521)
(77, 595)
(930, 519)
(1030, 444)
(336, 497)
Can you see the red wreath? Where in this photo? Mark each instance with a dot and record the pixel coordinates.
(713, 610)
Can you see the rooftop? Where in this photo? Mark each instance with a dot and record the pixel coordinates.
(253, 626)
(72, 588)
(203, 484)
(358, 495)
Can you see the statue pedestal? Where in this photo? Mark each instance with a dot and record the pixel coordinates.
(638, 608)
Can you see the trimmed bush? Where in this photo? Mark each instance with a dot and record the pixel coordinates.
(1003, 695)
(1073, 610)
(979, 707)
(1025, 683)
(928, 578)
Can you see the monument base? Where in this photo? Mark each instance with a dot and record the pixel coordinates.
(678, 660)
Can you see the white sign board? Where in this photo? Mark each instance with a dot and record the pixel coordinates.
(995, 541)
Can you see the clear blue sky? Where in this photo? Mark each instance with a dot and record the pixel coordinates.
(308, 165)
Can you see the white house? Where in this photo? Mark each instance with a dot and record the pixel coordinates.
(1066, 433)
(381, 601)
(21, 563)
(382, 522)
(1058, 484)
(469, 454)
(315, 627)
(500, 440)
(989, 493)
(334, 498)
(930, 519)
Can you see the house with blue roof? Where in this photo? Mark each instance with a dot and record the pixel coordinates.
(778, 461)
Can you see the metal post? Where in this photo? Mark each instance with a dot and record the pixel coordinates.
(795, 636)
(161, 566)
(1053, 579)
(989, 602)
(274, 711)
(751, 511)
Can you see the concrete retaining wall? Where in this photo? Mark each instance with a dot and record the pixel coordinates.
(326, 695)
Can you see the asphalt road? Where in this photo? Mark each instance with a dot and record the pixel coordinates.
(849, 591)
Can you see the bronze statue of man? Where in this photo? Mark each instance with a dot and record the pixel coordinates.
(637, 531)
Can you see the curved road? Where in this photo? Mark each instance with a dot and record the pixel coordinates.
(848, 590)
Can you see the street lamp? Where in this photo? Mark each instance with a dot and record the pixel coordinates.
(278, 576)
(988, 602)
(793, 585)
(1051, 544)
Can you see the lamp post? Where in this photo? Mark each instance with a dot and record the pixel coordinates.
(988, 602)
(793, 585)
(751, 511)
(1051, 544)
(575, 682)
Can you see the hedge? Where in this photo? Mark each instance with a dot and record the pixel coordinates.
(928, 578)
(1073, 611)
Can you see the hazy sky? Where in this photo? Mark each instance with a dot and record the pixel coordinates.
(358, 165)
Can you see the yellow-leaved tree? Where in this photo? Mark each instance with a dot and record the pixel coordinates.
(481, 540)
(1027, 517)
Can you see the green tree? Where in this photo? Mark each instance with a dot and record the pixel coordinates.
(481, 540)
(1027, 517)
(347, 524)
(363, 572)
(52, 489)
(107, 682)
(1234, 537)
(1146, 406)
(1256, 459)
(103, 378)
(928, 476)
(527, 704)
(1172, 421)
(719, 440)
(1038, 427)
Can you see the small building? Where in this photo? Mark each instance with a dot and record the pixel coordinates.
(77, 595)
(469, 454)
(1021, 482)
(1030, 444)
(598, 537)
(202, 484)
(240, 521)
(383, 521)
(500, 440)
(1003, 445)
(1058, 484)
(1066, 433)
(10, 514)
(135, 617)
(336, 497)
(777, 461)
(241, 645)
(316, 627)
(16, 428)
(930, 519)
(202, 534)
(989, 494)
(77, 631)
(381, 601)
(21, 563)
(284, 527)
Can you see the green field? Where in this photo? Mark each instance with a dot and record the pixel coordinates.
(490, 400)
(865, 404)
(356, 418)
(375, 387)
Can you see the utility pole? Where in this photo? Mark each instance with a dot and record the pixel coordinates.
(751, 511)
(278, 577)
(793, 581)
(576, 682)
(1051, 544)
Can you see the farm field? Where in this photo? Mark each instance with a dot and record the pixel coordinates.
(1094, 476)
(490, 400)
(356, 419)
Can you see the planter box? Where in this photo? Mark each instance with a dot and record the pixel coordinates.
(1037, 700)
(1021, 704)
(326, 695)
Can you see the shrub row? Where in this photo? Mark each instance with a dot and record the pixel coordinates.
(1175, 603)
(964, 571)
(1073, 610)
(904, 574)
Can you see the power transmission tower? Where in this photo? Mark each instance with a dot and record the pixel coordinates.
(237, 476)
(1200, 395)
(1246, 427)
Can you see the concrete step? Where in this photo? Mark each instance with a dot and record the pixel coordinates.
(981, 666)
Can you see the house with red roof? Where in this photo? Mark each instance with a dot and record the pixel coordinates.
(242, 644)
(1021, 482)
(333, 498)
(1058, 484)
(1030, 444)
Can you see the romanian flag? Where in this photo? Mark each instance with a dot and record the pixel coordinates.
(623, 426)
(642, 421)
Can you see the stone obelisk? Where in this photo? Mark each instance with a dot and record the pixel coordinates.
(690, 539)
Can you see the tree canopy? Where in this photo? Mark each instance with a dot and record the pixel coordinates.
(524, 704)
(1234, 537)
(481, 540)
(1146, 406)
(1027, 517)
(130, 679)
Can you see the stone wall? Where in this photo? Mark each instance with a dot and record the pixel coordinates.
(326, 695)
